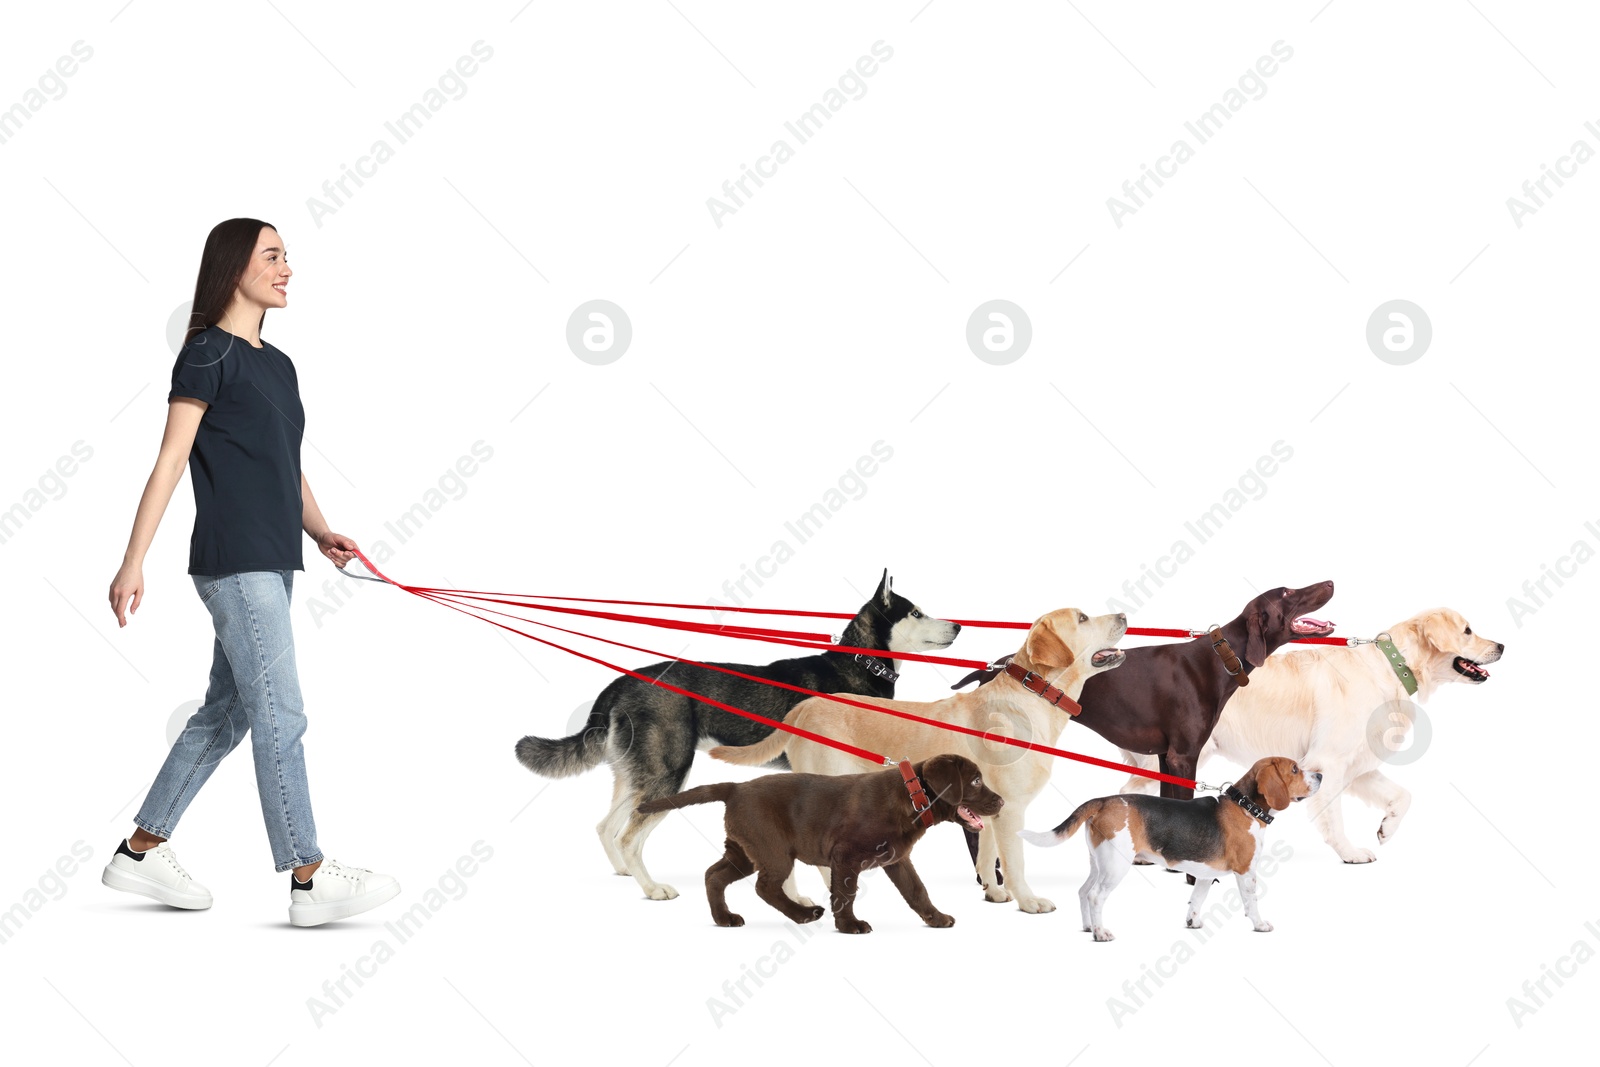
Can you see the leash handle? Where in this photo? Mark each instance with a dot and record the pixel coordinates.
(372, 575)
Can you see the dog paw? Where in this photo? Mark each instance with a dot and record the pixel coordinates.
(1264, 927)
(997, 894)
(1036, 906)
(731, 920)
(859, 926)
(1102, 934)
(939, 919)
(1387, 829)
(1358, 855)
(662, 892)
(1194, 922)
(813, 913)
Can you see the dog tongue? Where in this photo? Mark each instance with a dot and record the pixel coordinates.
(974, 819)
(1307, 624)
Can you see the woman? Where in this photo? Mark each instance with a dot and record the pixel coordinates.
(234, 415)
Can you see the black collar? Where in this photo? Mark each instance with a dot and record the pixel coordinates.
(882, 670)
(1255, 810)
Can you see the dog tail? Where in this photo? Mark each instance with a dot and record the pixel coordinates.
(700, 794)
(564, 757)
(1051, 838)
(762, 752)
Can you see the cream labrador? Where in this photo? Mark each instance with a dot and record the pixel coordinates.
(1063, 648)
(1344, 711)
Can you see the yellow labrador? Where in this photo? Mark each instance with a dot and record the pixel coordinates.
(1342, 710)
(1061, 650)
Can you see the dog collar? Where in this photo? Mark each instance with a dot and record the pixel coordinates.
(921, 803)
(1035, 683)
(874, 667)
(1255, 810)
(1398, 662)
(1230, 660)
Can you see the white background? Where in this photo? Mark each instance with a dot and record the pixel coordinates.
(768, 354)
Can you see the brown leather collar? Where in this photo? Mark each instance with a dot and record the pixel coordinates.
(1230, 660)
(1035, 683)
(920, 802)
(1032, 682)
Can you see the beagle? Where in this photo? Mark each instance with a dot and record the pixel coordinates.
(1206, 837)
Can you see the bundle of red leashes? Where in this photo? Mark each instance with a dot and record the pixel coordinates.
(468, 601)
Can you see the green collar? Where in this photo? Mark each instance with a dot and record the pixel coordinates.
(1398, 662)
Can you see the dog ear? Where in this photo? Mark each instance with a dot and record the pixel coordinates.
(1270, 784)
(1436, 630)
(942, 779)
(882, 595)
(1255, 642)
(1045, 650)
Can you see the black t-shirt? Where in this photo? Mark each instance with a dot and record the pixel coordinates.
(245, 463)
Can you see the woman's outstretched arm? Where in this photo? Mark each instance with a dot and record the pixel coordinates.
(183, 419)
(337, 547)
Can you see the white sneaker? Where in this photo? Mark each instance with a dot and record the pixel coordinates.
(157, 874)
(335, 891)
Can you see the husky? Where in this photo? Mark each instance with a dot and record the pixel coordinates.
(649, 734)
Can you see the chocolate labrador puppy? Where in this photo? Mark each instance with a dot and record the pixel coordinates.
(849, 823)
(1165, 699)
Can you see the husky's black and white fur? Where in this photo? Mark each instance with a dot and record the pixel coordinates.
(649, 734)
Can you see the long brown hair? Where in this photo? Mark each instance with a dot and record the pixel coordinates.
(229, 246)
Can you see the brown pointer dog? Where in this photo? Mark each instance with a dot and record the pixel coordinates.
(850, 823)
(1165, 699)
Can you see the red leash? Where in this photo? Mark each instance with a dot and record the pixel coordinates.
(874, 757)
(824, 644)
(836, 698)
(1133, 631)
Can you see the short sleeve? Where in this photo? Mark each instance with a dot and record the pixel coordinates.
(197, 374)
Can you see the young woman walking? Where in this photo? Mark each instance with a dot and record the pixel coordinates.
(234, 416)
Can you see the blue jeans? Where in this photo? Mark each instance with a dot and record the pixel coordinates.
(254, 689)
